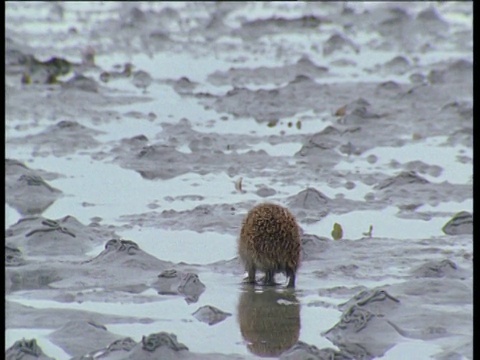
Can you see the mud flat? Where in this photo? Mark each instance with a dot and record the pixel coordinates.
(138, 135)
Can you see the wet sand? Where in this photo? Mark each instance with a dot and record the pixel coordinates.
(138, 136)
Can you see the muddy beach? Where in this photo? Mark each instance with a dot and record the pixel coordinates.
(138, 136)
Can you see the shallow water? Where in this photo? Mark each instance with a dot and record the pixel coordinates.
(258, 94)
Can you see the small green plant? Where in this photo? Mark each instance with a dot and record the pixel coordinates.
(337, 232)
(369, 233)
(272, 123)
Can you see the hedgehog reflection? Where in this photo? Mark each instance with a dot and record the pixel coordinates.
(269, 320)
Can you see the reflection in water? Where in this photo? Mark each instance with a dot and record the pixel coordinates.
(269, 320)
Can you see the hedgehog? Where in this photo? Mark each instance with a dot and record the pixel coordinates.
(270, 241)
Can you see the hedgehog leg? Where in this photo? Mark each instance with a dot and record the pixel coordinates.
(291, 277)
(251, 274)
(269, 278)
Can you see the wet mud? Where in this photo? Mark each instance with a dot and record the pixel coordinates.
(138, 136)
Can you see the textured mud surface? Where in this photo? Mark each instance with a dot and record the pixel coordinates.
(138, 135)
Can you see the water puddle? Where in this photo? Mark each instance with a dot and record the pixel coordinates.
(183, 246)
(356, 225)
(431, 151)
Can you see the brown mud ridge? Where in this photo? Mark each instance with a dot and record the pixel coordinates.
(63, 103)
